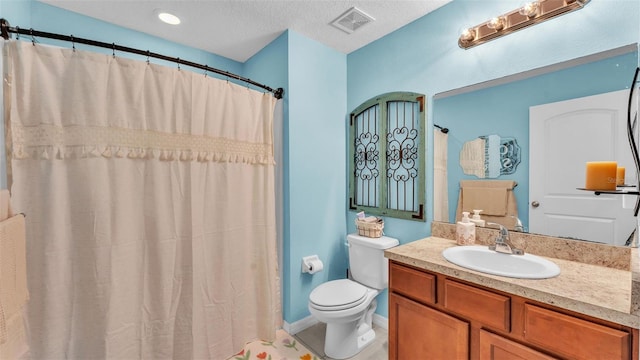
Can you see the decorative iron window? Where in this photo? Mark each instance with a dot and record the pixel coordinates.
(386, 156)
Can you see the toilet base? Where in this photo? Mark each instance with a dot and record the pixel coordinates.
(345, 340)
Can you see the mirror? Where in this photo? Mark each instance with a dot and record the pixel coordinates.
(502, 106)
(490, 156)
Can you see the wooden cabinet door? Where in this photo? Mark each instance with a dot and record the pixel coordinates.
(419, 332)
(495, 347)
(572, 337)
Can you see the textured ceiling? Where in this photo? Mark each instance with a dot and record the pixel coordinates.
(237, 29)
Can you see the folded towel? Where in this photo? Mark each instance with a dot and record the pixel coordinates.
(466, 203)
(13, 272)
(492, 201)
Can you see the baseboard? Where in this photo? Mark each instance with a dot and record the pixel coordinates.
(299, 325)
(309, 321)
(381, 321)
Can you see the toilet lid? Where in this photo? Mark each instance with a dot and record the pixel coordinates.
(338, 294)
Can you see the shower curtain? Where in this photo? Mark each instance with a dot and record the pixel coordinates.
(149, 198)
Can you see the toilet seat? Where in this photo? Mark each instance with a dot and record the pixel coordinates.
(338, 295)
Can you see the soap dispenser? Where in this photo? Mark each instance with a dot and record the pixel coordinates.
(465, 230)
(476, 219)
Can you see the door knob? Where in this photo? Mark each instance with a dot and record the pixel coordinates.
(535, 204)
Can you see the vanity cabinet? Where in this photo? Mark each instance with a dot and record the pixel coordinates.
(433, 316)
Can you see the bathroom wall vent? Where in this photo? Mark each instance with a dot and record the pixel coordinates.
(352, 20)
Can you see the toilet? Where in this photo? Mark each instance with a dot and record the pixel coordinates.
(347, 305)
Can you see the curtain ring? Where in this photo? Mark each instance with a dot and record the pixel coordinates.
(147, 57)
(113, 50)
(17, 32)
(73, 44)
(206, 68)
(178, 61)
(33, 39)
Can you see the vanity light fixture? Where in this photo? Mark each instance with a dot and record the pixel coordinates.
(528, 14)
(167, 17)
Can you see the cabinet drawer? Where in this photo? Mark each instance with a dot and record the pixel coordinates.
(412, 283)
(484, 306)
(573, 337)
(495, 347)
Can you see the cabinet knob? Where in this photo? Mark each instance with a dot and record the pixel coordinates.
(535, 204)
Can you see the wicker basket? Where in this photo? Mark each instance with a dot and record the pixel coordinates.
(370, 229)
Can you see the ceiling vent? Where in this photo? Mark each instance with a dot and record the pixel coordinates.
(352, 20)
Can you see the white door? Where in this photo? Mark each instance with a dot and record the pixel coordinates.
(563, 136)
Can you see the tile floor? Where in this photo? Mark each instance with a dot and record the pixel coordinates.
(313, 339)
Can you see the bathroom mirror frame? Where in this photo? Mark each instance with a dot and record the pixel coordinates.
(501, 106)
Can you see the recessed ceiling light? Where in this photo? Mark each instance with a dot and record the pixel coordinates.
(168, 17)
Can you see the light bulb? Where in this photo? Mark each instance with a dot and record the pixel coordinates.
(497, 23)
(467, 34)
(530, 9)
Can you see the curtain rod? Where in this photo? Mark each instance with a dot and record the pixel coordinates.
(6, 29)
(443, 129)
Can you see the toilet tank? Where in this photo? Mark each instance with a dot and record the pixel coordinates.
(367, 263)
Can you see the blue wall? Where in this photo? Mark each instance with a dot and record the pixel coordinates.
(314, 207)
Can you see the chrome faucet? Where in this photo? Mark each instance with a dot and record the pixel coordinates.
(502, 242)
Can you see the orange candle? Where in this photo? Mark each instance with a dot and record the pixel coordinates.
(620, 176)
(601, 175)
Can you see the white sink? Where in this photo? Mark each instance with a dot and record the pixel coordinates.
(480, 258)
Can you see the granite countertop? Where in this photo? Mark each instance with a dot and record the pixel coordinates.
(598, 291)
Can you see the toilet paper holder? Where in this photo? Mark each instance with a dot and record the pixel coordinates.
(311, 264)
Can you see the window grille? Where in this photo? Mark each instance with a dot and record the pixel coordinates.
(387, 151)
